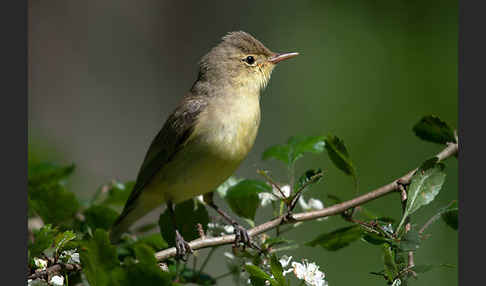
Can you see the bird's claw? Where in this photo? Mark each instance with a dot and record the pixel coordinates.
(242, 237)
(182, 247)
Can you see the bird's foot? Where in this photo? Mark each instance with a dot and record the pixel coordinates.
(182, 247)
(242, 237)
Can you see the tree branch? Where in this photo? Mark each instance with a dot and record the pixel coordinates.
(450, 150)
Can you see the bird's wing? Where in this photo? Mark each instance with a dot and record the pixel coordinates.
(171, 139)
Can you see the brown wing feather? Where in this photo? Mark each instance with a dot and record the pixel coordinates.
(170, 139)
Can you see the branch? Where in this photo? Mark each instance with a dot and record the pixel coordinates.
(54, 269)
(450, 150)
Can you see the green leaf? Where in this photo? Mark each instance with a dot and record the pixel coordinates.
(257, 272)
(146, 271)
(53, 203)
(432, 128)
(99, 260)
(339, 155)
(391, 268)
(43, 239)
(48, 173)
(450, 215)
(337, 239)
(257, 281)
(425, 185)
(295, 148)
(187, 218)
(100, 217)
(62, 239)
(155, 241)
(308, 178)
(223, 188)
(376, 239)
(303, 144)
(410, 241)
(279, 152)
(243, 197)
(277, 270)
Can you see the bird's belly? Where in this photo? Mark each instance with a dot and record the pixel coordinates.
(194, 171)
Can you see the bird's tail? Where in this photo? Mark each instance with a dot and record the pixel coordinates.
(121, 225)
(130, 214)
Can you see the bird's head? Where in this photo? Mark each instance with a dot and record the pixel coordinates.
(240, 60)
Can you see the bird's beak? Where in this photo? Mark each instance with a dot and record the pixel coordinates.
(280, 57)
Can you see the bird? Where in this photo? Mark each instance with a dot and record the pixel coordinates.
(207, 136)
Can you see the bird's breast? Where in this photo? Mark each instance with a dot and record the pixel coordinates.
(229, 125)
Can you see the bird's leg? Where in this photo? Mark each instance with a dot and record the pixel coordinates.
(241, 234)
(182, 247)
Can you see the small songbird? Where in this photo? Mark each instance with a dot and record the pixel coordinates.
(207, 136)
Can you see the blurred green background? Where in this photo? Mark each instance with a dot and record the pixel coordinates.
(105, 74)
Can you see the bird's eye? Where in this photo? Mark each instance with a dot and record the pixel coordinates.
(250, 60)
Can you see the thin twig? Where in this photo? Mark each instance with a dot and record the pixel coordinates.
(450, 150)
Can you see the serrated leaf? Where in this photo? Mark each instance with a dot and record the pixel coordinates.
(425, 185)
(295, 148)
(308, 178)
(303, 144)
(187, 218)
(432, 128)
(337, 239)
(339, 155)
(243, 197)
(100, 217)
(43, 239)
(62, 239)
(450, 215)
(391, 268)
(53, 203)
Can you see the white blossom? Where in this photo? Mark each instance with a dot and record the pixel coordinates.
(285, 190)
(70, 256)
(229, 228)
(40, 263)
(285, 260)
(222, 229)
(57, 280)
(309, 272)
(311, 205)
(266, 198)
(201, 199)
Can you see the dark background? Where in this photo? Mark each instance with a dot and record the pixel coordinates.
(104, 75)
